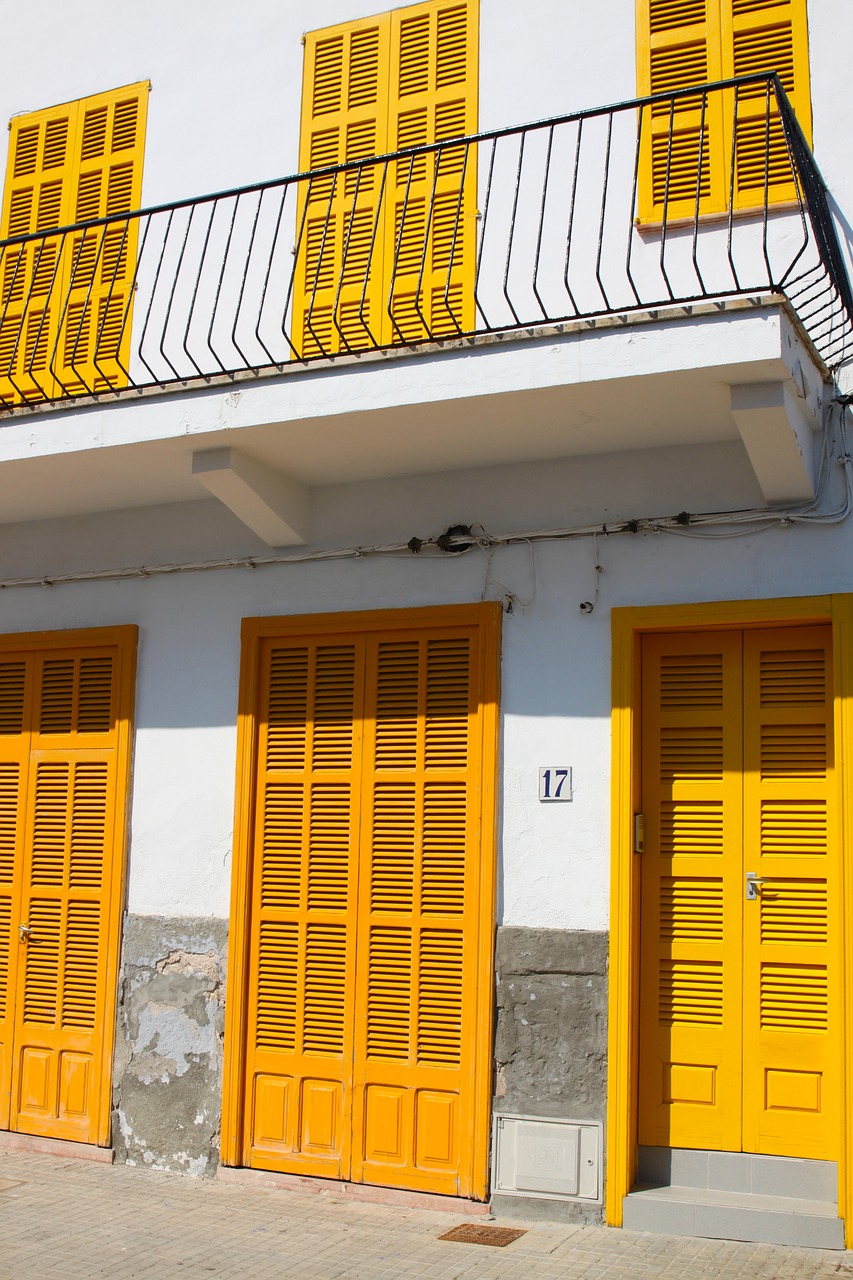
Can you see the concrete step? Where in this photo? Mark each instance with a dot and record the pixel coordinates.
(739, 1171)
(733, 1215)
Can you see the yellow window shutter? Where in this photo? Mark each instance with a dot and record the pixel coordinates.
(37, 197)
(760, 37)
(73, 163)
(681, 160)
(338, 278)
(431, 219)
(95, 341)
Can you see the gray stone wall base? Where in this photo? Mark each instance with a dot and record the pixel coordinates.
(551, 1041)
(167, 1074)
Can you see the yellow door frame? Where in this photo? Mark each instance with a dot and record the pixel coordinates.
(628, 627)
(487, 618)
(125, 639)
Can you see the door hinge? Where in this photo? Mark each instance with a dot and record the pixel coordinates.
(639, 833)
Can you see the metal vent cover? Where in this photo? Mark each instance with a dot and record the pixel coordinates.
(554, 1159)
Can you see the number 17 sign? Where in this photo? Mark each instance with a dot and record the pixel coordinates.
(555, 782)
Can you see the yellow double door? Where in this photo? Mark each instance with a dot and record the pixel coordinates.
(367, 1022)
(740, 902)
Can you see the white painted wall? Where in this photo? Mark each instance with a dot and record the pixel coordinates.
(556, 668)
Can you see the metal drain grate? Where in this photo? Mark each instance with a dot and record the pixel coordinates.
(474, 1233)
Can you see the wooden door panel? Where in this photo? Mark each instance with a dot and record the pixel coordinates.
(691, 1005)
(791, 927)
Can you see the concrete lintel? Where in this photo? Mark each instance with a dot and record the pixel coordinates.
(777, 429)
(271, 504)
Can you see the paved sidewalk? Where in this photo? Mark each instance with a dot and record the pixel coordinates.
(67, 1218)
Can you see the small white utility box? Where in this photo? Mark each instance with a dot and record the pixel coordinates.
(557, 1159)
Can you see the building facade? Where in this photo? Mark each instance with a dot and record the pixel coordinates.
(425, 655)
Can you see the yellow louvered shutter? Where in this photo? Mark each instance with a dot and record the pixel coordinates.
(792, 1007)
(415, 1037)
(69, 164)
(36, 197)
(681, 156)
(760, 37)
(299, 1070)
(685, 155)
(431, 212)
(400, 80)
(95, 340)
(338, 290)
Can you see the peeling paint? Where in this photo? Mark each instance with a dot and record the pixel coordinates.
(168, 1069)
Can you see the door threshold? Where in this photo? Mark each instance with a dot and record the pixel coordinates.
(35, 1145)
(357, 1191)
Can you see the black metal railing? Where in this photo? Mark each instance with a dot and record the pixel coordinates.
(701, 195)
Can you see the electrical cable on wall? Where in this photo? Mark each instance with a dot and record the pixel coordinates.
(459, 541)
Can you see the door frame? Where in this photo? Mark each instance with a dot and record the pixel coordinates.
(487, 618)
(628, 627)
(125, 638)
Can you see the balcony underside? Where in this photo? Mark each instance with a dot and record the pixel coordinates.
(656, 380)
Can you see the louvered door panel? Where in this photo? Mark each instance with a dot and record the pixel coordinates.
(758, 39)
(682, 158)
(69, 878)
(94, 341)
(690, 1015)
(338, 283)
(299, 1038)
(791, 929)
(15, 691)
(415, 988)
(431, 211)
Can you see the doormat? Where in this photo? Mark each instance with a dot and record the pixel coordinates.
(475, 1233)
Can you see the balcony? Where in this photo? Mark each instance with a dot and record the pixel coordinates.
(660, 249)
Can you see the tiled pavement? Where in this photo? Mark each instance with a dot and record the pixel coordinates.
(68, 1218)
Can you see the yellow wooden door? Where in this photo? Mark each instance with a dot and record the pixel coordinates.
(63, 764)
(738, 1013)
(362, 1047)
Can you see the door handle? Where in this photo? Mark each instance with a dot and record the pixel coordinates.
(752, 884)
(24, 932)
